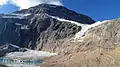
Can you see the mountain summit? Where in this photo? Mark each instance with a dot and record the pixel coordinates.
(58, 11)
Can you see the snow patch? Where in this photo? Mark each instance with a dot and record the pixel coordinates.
(14, 46)
(24, 27)
(26, 14)
(21, 14)
(16, 15)
(18, 24)
(64, 20)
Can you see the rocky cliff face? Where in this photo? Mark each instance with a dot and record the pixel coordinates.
(35, 28)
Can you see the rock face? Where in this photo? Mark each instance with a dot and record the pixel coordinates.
(99, 48)
(33, 28)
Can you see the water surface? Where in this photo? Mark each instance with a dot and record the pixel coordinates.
(5, 62)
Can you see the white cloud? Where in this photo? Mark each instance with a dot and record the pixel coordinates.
(2, 2)
(24, 4)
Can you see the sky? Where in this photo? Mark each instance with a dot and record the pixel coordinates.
(99, 10)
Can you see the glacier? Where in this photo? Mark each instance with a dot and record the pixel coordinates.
(86, 28)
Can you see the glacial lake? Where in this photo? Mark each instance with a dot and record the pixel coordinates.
(5, 62)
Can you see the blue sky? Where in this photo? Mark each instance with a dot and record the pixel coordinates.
(8, 8)
(97, 9)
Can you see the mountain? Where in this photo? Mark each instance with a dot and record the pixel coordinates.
(43, 27)
(74, 39)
